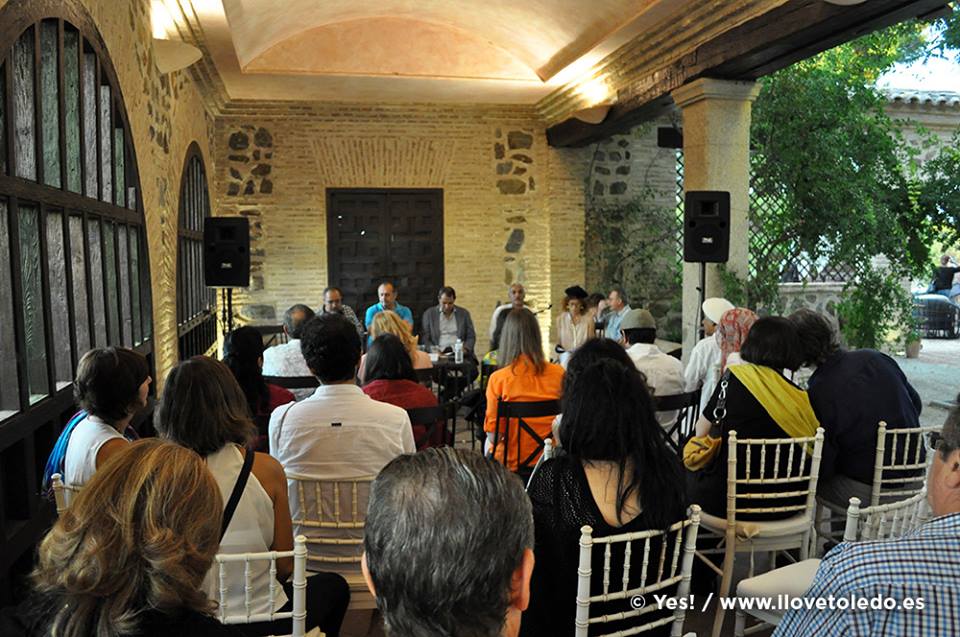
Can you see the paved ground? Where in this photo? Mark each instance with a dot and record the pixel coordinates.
(935, 375)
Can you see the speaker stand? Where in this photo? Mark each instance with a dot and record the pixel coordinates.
(226, 305)
(703, 297)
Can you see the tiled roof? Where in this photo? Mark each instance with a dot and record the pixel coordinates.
(949, 99)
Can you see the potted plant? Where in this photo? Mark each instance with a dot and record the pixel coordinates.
(914, 344)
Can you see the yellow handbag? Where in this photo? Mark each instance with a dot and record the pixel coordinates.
(699, 451)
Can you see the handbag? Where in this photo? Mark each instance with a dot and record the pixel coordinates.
(699, 451)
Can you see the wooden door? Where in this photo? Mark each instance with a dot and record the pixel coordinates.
(397, 235)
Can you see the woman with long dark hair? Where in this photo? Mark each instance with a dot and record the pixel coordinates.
(390, 379)
(243, 354)
(616, 475)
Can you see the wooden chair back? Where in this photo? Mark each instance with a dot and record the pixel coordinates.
(885, 521)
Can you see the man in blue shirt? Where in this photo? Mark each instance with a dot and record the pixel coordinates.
(388, 301)
(916, 576)
(617, 302)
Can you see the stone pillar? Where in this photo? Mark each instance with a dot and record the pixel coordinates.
(716, 156)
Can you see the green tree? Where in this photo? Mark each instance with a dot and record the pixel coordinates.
(835, 181)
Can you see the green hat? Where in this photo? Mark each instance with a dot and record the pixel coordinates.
(638, 320)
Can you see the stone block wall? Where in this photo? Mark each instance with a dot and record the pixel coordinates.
(513, 207)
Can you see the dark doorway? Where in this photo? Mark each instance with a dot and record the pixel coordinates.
(395, 234)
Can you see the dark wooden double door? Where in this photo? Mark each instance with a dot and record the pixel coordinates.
(386, 234)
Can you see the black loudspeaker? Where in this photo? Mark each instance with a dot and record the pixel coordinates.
(226, 252)
(706, 226)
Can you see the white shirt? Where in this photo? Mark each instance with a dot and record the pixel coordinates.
(448, 330)
(496, 313)
(287, 360)
(703, 368)
(337, 433)
(80, 461)
(250, 531)
(664, 375)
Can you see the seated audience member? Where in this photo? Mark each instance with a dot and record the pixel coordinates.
(443, 324)
(204, 409)
(243, 354)
(448, 546)
(129, 554)
(732, 332)
(760, 403)
(617, 308)
(664, 373)
(333, 304)
(390, 379)
(574, 326)
(490, 358)
(924, 564)
(390, 323)
(286, 359)
(111, 386)
(339, 432)
(618, 476)
(703, 367)
(387, 292)
(524, 376)
(851, 392)
(517, 293)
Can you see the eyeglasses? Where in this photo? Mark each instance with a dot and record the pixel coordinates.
(938, 442)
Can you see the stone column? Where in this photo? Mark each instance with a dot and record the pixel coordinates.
(716, 156)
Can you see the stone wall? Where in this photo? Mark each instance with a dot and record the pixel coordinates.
(166, 114)
(513, 207)
(822, 297)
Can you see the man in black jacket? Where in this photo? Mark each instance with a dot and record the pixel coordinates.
(851, 392)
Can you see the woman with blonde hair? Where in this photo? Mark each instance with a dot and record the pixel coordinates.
(388, 322)
(524, 376)
(128, 556)
(204, 409)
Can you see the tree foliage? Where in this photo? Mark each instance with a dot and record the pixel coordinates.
(842, 185)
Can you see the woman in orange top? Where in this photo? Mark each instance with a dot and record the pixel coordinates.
(524, 376)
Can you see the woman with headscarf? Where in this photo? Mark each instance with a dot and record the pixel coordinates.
(731, 333)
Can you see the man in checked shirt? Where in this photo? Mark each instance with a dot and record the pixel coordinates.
(924, 564)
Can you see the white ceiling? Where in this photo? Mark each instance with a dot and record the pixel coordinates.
(471, 51)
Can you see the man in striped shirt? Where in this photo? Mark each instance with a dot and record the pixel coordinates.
(918, 575)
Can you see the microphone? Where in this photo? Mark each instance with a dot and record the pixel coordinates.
(546, 309)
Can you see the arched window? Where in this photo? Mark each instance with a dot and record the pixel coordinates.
(73, 252)
(196, 316)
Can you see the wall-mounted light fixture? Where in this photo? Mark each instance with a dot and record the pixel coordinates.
(171, 53)
(599, 98)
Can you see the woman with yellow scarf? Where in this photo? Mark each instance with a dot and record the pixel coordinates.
(760, 402)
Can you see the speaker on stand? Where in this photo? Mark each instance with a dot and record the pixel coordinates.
(226, 259)
(706, 235)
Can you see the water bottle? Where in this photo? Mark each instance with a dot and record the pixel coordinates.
(458, 352)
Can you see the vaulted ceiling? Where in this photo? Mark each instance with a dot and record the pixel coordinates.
(490, 51)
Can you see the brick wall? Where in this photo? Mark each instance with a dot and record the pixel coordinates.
(513, 208)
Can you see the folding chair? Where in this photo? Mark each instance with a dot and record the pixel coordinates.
(521, 411)
(795, 466)
(425, 377)
(687, 406)
(899, 471)
(293, 382)
(546, 455)
(433, 418)
(62, 493)
(669, 570)
(247, 615)
(881, 522)
(331, 514)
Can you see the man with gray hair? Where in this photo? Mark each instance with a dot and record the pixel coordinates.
(916, 576)
(286, 359)
(448, 546)
(517, 294)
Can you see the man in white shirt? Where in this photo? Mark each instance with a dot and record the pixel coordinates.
(664, 373)
(703, 366)
(286, 359)
(517, 294)
(338, 433)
